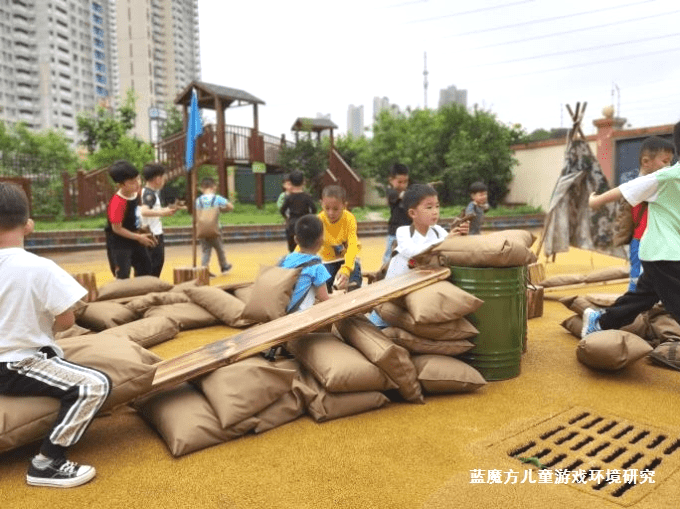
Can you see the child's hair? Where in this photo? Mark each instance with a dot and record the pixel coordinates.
(308, 230)
(334, 191)
(398, 169)
(13, 207)
(417, 193)
(285, 178)
(296, 178)
(122, 170)
(207, 182)
(676, 137)
(153, 170)
(654, 145)
(477, 187)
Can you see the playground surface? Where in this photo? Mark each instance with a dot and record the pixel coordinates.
(453, 451)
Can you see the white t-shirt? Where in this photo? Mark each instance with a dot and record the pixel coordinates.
(410, 245)
(33, 290)
(661, 190)
(151, 198)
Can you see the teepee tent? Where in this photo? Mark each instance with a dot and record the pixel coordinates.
(569, 221)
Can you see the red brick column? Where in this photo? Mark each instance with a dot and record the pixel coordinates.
(606, 146)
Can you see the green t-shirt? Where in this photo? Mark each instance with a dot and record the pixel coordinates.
(661, 190)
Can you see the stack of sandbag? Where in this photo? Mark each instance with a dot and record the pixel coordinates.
(506, 248)
(151, 311)
(615, 349)
(24, 419)
(252, 395)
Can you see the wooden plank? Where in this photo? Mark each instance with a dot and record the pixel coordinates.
(226, 351)
(552, 289)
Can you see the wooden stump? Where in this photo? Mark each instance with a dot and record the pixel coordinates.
(183, 274)
(89, 281)
(536, 272)
(534, 302)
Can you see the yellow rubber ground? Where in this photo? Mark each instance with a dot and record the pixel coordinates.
(401, 456)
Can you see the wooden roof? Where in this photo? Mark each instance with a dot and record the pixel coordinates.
(313, 124)
(207, 92)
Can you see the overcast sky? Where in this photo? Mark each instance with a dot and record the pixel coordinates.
(524, 60)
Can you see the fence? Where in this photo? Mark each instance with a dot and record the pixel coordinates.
(46, 188)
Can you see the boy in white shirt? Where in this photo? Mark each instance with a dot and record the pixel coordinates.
(37, 298)
(422, 203)
(659, 248)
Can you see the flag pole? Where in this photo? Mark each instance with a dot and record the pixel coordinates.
(192, 183)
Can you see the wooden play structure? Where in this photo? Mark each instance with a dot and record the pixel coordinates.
(338, 171)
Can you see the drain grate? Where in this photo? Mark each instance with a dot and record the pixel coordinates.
(607, 456)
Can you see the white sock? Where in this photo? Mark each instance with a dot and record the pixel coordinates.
(41, 461)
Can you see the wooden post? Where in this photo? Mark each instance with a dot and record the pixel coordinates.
(183, 274)
(66, 193)
(534, 302)
(89, 281)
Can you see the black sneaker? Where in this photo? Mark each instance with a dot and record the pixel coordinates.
(226, 268)
(60, 474)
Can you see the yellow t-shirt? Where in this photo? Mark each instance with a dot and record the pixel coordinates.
(340, 241)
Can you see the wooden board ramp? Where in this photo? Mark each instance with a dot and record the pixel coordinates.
(261, 337)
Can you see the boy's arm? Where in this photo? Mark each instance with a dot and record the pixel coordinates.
(145, 211)
(322, 293)
(596, 201)
(144, 240)
(224, 204)
(64, 321)
(352, 246)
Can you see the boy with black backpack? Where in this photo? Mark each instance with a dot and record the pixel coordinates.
(631, 222)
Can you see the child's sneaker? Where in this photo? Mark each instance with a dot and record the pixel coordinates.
(591, 322)
(226, 268)
(60, 473)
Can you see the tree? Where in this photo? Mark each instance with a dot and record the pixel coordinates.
(174, 123)
(106, 135)
(450, 145)
(308, 156)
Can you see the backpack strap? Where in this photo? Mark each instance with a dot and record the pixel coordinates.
(308, 263)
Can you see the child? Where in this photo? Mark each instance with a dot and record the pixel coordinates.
(398, 181)
(422, 203)
(340, 243)
(479, 196)
(311, 282)
(655, 153)
(659, 248)
(152, 211)
(125, 247)
(209, 199)
(37, 297)
(285, 185)
(295, 205)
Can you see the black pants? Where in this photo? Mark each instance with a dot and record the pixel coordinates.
(157, 256)
(124, 257)
(82, 392)
(660, 281)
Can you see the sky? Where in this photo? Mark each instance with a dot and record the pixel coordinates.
(523, 60)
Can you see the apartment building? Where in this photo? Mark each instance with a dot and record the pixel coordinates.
(56, 61)
(63, 57)
(158, 54)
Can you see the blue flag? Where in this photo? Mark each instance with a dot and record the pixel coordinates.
(194, 130)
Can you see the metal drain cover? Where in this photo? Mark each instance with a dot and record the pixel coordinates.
(614, 458)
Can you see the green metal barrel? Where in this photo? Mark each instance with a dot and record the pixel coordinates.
(501, 320)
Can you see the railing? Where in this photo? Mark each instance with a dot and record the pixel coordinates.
(340, 173)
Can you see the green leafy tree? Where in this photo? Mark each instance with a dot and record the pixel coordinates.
(174, 123)
(308, 156)
(106, 135)
(450, 145)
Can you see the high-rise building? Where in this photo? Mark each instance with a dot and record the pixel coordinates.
(379, 104)
(56, 61)
(62, 57)
(158, 53)
(355, 120)
(452, 95)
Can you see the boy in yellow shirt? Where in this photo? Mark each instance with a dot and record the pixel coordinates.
(340, 243)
